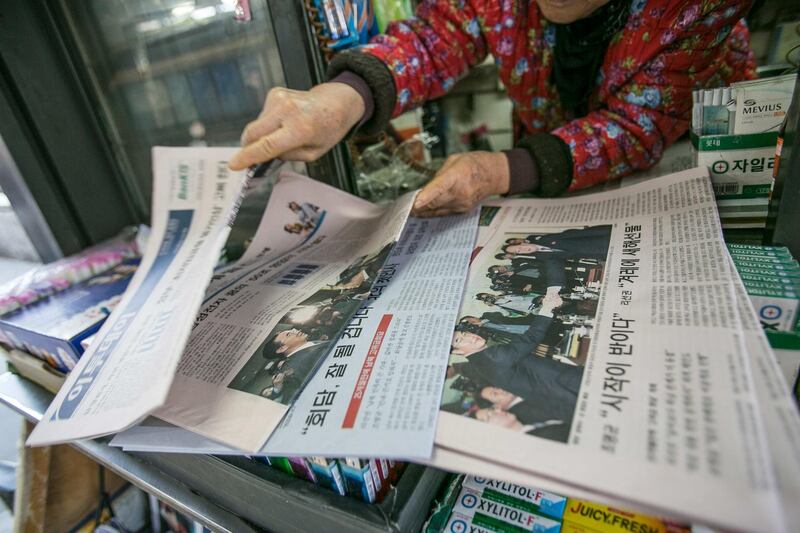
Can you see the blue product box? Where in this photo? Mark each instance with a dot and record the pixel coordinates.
(52, 329)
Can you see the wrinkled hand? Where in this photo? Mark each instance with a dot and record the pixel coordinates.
(463, 181)
(299, 125)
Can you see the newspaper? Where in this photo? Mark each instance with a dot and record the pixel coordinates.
(600, 345)
(263, 326)
(124, 373)
(396, 346)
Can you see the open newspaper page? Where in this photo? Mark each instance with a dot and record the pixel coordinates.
(377, 392)
(266, 325)
(127, 371)
(599, 344)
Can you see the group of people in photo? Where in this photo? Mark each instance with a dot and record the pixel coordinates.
(517, 358)
(308, 218)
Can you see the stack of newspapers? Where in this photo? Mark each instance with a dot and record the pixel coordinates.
(601, 346)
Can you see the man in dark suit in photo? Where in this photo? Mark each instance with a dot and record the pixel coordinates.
(288, 351)
(535, 416)
(513, 368)
(550, 429)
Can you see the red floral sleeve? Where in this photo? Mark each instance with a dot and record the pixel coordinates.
(429, 53)
(646, 90)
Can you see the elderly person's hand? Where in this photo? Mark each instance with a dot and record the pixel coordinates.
(299, 125)
(462, 182)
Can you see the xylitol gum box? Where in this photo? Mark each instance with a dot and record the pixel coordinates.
(764, 260)
(761, 251)
(791, 286)
(477, 510)
(760, 270)
(776, 313)
(541, 502)
(769, 277)
(778, 266)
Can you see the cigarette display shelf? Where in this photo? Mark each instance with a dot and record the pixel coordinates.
(233, 494)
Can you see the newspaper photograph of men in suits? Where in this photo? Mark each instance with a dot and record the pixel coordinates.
(525, 328)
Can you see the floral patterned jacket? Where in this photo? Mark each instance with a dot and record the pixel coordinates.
(642, 101)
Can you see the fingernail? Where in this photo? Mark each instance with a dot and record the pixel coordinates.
(235, 163)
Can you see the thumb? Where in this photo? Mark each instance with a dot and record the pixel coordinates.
(438, 192)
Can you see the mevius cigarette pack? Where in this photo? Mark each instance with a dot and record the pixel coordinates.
(53, 328)
(761, 104)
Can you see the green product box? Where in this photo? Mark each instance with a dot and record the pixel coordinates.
(757, 247)
(762, 271)
(539, 501)
(785, 280)
(763, 259)
(778, 288)
(775, 313)
(782, 254)
(777, 266)
(495, 511)
(740, 165)
(788, 294)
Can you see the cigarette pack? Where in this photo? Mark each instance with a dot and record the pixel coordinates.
(301, 469)
(380, 477)
(762, 104)
(494, 511)
(53, 328)
(282, 464)
(328, 474)
(544, 503)
(358, 479)
(587, 517)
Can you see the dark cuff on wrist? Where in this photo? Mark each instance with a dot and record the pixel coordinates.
(553, 160)
(378, 79)
(358, 84)
(523, 176)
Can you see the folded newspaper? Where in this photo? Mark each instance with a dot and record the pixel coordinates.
(604, 348)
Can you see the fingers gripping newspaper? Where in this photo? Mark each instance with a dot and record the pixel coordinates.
(262, 326)
(600, 351)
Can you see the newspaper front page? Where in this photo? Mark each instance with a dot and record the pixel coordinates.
(600, 344)
(127, 371)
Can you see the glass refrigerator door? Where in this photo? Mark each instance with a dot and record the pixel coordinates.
(172, 72)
